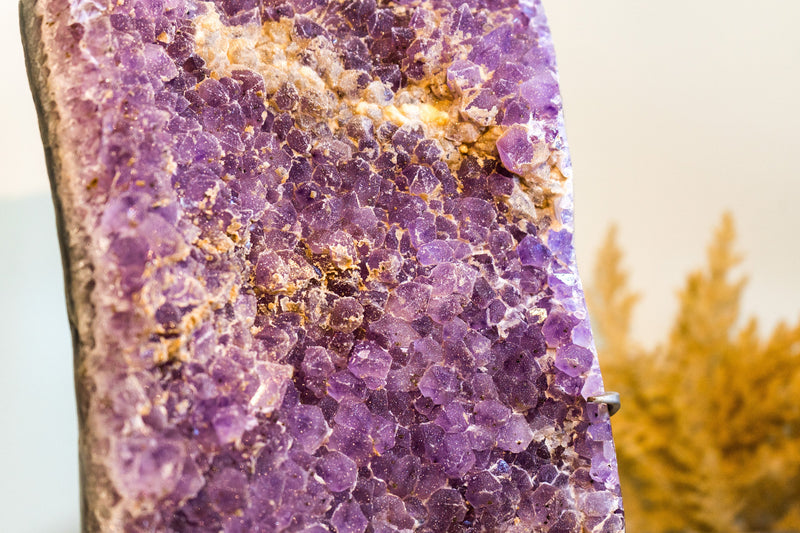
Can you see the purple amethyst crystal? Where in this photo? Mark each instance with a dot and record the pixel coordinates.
(320, 267)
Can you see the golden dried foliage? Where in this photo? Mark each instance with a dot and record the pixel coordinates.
(709, 435)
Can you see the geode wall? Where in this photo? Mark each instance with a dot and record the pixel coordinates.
(320, 268)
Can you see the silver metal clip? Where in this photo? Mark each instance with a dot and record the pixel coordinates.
(611, 399)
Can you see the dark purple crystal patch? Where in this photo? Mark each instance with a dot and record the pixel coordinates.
(328, 271)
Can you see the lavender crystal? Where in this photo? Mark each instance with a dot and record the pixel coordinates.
(320, 267)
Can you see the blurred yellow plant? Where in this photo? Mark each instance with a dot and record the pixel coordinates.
(708, 439)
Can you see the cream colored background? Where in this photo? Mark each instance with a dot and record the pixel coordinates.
(676, 111)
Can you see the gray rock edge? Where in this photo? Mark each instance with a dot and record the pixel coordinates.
(78, 271)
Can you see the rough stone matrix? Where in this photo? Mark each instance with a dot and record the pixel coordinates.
(320, 268)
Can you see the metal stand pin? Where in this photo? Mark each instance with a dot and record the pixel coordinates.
(611, 399)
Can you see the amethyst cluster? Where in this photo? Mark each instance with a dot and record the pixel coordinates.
(320, 267)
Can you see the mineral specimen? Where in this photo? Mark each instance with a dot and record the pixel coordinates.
(319, 267)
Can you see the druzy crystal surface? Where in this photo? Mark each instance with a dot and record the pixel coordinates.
(320, 267)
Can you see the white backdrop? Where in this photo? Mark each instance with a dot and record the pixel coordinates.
(675, 112)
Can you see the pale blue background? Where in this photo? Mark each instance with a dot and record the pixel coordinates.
(38, 435)
(676, 111)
